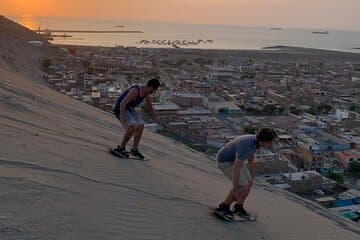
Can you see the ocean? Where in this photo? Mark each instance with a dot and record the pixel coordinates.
(220, 36)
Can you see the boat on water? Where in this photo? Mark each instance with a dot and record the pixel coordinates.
(320, 32)
(61, 35)
(276, 28)
(175, 46)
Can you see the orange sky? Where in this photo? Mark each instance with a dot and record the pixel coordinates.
(329, 14)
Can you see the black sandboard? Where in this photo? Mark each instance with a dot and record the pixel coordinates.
(236, 217)
(116, 153)
(221, 216)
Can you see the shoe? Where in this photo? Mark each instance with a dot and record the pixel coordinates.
(225, 211)
(137, 154)
(239, 210)
(122, 151)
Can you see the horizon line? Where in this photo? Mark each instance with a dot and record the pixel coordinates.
(16, 18)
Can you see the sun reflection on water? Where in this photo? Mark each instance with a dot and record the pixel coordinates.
(28, 21)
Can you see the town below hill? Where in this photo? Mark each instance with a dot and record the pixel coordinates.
(207, 98)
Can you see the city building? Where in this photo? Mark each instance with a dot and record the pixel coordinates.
(346, 158)
(302, 182)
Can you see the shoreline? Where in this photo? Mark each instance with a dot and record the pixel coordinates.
(272, 53)
(267, 48)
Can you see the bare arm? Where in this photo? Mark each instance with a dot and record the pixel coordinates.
(151, 109)
(251, 165)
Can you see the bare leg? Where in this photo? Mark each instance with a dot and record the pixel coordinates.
(128, 134)
(239, 197)
(230, 198)
(137, 136)
(247, 192)
(242, 194)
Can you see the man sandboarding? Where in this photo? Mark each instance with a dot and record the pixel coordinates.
(231, 161)
(131, 120)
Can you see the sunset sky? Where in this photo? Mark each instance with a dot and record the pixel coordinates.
(326, 14)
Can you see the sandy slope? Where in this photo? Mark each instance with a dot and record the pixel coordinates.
(17, 55)
(57, 180)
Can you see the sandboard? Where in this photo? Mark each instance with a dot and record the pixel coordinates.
(116, 153)
(220, 215)
(252, 217)
(236, 217)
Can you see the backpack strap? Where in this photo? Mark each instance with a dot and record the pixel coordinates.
(138, 88)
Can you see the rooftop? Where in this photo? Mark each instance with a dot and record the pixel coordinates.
(350, 153)
(165, 107)
(298, 176)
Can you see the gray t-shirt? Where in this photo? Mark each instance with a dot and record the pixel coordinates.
(242, 147)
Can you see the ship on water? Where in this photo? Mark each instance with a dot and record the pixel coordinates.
(320, 32)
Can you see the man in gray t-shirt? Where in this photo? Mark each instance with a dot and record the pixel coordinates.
(231, 161)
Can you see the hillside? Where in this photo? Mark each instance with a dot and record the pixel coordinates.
(17, 55)
(58, 181)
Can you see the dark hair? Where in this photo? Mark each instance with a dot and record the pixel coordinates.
(266, 135)
(154, 82)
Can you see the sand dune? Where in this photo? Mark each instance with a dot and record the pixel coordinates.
(17, 55)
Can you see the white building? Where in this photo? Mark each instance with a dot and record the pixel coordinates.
(36, 43)
(152, 127)
(340, 115)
